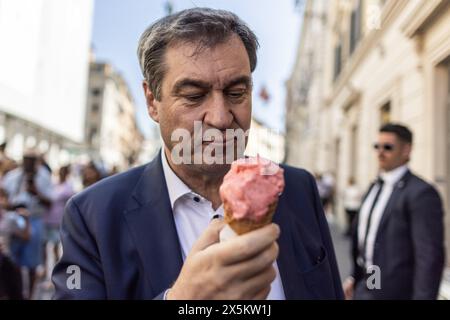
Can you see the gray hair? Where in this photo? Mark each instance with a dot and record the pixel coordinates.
(208, 27)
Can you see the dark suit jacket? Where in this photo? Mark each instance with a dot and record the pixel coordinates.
(122, 235)
(409, 245)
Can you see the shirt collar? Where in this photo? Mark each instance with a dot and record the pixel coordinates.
(393, 176)
(175, 186)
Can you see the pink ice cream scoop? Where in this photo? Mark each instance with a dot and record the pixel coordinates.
(250, 187)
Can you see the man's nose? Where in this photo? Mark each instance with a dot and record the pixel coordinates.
(381, 153)
(218, 114)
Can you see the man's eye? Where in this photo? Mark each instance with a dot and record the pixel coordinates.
(236, 94)
(194, 97)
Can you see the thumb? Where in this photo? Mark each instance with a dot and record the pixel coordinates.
(209, 237)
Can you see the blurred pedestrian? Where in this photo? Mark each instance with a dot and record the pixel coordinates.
(352, 202)
(42, 162)
(29, 186)
(90, 174)
(14, 223)
(114, 170)
(321, 188)
(6, 163)
(328, 185)
(3, 150)
(400, 232)
(62, 192)
(325, 189)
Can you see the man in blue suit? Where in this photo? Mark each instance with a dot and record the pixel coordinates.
(151, 232)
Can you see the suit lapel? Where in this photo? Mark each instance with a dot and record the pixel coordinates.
(398, 189)
(153, 229)
(368, 192)
(355, 227)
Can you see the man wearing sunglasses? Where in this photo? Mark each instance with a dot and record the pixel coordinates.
(398, 242)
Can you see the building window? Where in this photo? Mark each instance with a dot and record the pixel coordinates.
(385, 113)
(355, 27)
(96, 92)
(30, 142)
(99, 67)
(16, 147)
(93, 135)
(95, 108)
(337, 60)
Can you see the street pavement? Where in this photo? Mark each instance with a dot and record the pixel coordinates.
(342, 249)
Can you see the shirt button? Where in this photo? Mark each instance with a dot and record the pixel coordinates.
(196, 199)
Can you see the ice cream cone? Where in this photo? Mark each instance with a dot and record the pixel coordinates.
(250, 192)
(241, 226)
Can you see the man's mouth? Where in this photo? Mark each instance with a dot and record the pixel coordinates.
(219, 142)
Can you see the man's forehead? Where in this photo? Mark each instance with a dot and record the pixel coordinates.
(194, 47)
(187, 60)
(388, 136)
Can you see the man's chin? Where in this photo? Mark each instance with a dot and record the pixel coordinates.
(215, 169)
(386, 168)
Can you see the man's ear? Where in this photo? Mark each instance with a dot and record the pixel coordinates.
(151, 102)
(407, 148)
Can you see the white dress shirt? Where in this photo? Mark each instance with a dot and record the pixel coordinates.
(352, 198)
(390, 179)
(193, 213)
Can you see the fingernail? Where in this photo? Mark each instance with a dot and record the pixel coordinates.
(278, 230)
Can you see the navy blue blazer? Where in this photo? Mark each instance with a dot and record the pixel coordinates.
(121, 235)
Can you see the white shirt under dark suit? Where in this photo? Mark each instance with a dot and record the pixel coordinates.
(193, 213)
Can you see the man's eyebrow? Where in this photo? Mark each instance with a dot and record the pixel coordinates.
(179, 85)
(246, 80)
(188, 82)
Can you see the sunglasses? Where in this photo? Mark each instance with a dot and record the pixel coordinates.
(385, 147)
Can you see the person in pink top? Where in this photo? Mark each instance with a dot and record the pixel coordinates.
(63, 192)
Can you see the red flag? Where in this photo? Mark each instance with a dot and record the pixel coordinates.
(264, 94)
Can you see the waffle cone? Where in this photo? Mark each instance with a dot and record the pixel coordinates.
(246, 225)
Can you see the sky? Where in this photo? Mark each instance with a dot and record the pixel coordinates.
(118, 25)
